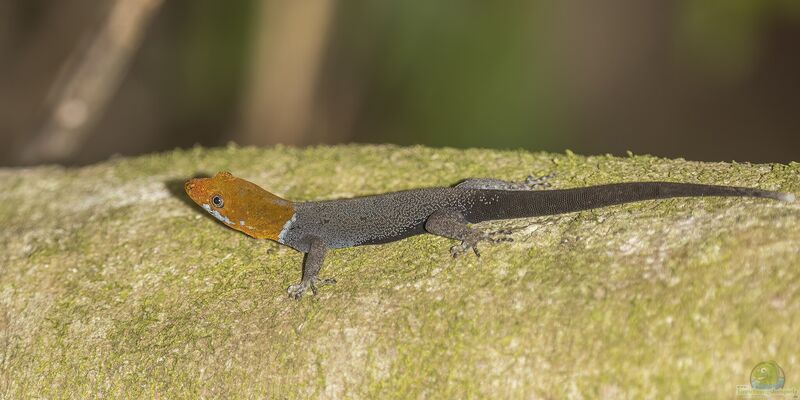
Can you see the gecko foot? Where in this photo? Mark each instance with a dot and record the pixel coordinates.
(462, 248)
(297, 291)
(535, 183)
(499, 236)
(472, 243)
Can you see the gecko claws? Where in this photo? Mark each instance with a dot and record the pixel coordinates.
(297, 291)
(503, 233)
(491, 237)
(457, 250)
(534, 183)
(472, 243)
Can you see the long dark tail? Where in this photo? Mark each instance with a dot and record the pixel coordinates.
(521, 204)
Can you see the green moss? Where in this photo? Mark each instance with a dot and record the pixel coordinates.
(115, 285)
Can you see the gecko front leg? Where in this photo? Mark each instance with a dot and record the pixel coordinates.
(452, 225)
(311, 266)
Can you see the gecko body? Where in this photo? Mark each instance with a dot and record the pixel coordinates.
(315, 226)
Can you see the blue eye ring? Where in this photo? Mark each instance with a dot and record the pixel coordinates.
(217, 201)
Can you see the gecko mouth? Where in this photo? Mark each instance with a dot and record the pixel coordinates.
(217, 215)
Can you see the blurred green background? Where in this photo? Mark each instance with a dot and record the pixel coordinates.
(82, 80)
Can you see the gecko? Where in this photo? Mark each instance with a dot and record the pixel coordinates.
(313, 227)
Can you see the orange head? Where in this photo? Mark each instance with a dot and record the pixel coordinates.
(241, 205)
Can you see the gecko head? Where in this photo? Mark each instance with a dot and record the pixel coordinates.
(241, 205)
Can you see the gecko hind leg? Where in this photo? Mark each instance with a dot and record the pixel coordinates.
(452, 225)
(530, 183)
(311, 266)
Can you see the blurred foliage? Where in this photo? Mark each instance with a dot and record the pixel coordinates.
(722, 37)
(193, 66)
(474, 75)
(666, 78)
(224, 27)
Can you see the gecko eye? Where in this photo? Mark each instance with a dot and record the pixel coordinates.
(217, 201)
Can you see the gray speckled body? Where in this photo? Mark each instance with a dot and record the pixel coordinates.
(393, 216)
(376, 219)
(319, 225)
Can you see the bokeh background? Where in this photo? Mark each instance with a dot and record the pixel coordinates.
(83, 80)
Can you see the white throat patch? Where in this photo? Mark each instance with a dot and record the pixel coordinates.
(286, 228)
(217, 215)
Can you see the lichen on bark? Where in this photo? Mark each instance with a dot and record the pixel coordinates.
(113, 284)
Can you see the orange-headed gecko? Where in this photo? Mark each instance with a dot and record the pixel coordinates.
(313, 227)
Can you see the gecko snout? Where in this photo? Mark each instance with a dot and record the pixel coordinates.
(189, 186)
(193, 188)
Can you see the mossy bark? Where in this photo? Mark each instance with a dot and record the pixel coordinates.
(113, 284)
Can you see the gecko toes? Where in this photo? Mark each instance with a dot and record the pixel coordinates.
(327, 281)
(472, 242)
(499, 236)
(457, 250)
(534, 183)
(475, 250)
(297, 291)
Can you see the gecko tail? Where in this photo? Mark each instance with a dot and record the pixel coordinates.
(521, 204)
(766, 194)
(787, 197)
